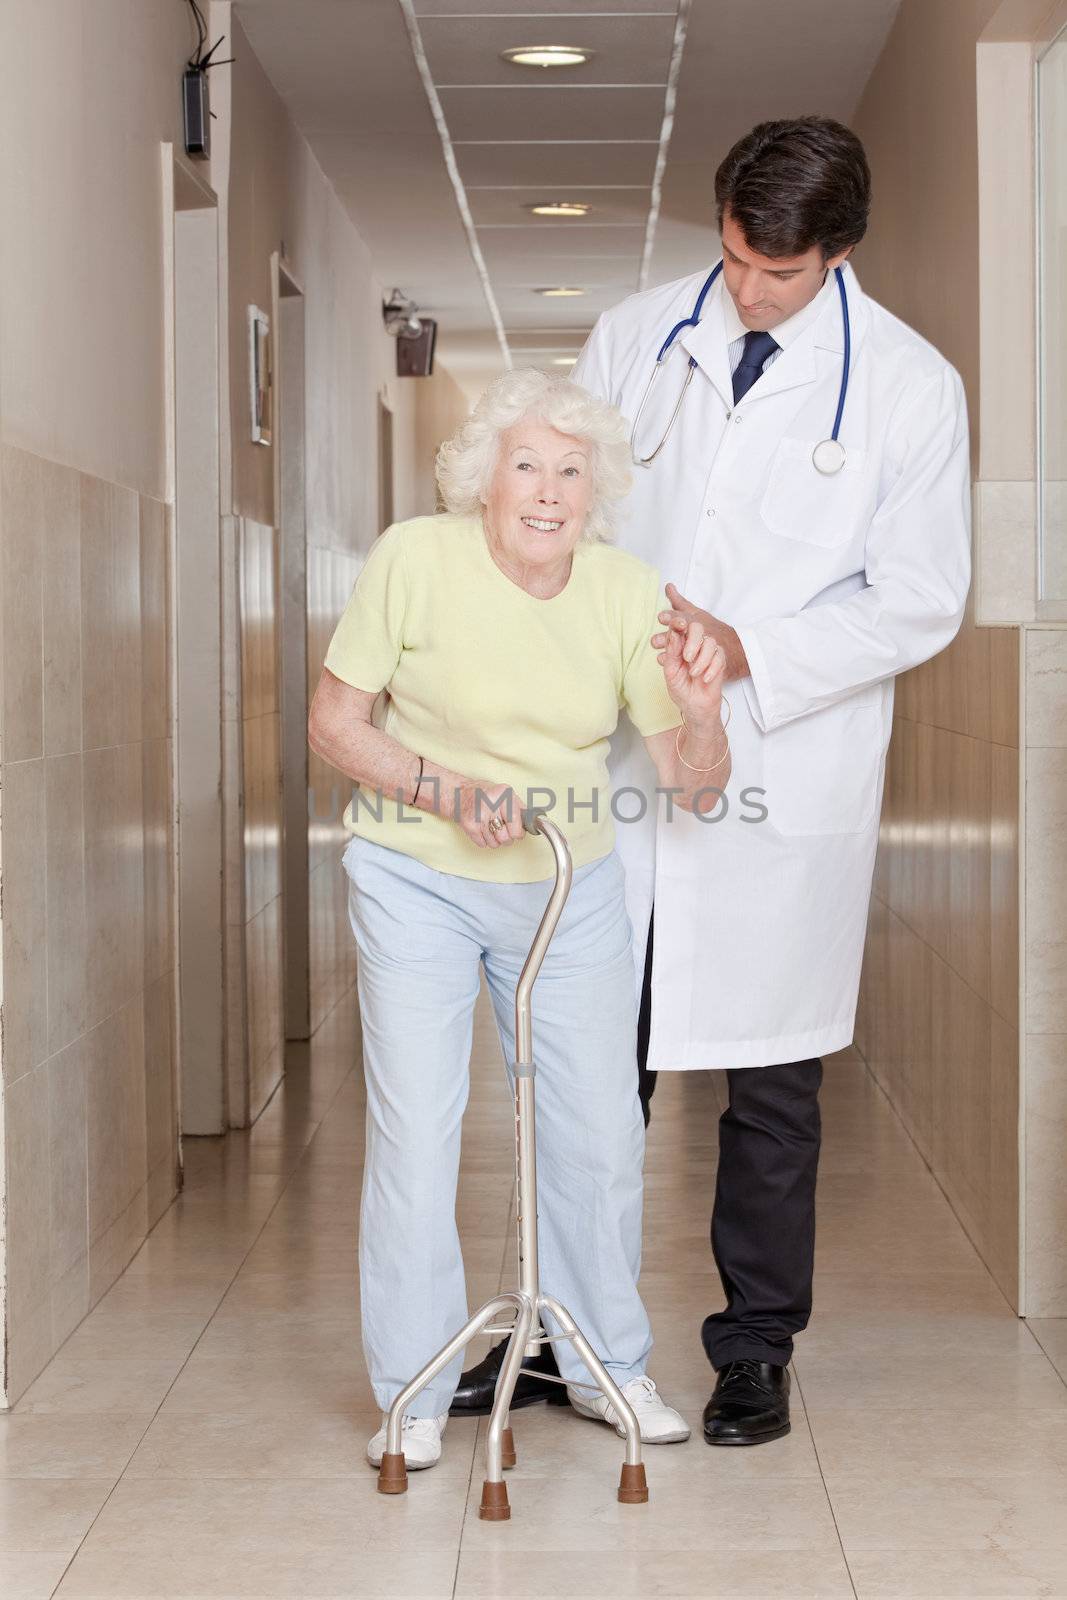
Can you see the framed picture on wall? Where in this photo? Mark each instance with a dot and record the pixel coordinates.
(260, 375)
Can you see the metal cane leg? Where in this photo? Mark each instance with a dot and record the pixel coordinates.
(494, 1506)
(392, 1474)
(633, 1488)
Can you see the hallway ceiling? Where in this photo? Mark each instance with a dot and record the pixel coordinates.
(392, 93)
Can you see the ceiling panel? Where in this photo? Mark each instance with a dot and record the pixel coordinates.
(507, 207)
(624, 161)
(347, 75)
(542, 8)
(557, 339)
(625, 49)
(553, 113)
(503, 247)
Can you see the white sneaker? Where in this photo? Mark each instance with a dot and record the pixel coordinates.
(420, 1440)
(659, 1422)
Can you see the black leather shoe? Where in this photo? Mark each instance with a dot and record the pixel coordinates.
(750, 1404)
(477, 1388)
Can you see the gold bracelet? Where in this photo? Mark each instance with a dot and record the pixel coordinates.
(689, 764)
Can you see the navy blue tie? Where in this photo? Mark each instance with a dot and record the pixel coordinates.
(758, 346)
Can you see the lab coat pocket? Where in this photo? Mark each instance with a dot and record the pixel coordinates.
(821, 772)
(813, 507)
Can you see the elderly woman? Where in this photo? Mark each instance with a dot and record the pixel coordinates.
(508, 636)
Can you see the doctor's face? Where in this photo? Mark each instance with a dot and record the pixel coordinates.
(539, 495)
(768, 289)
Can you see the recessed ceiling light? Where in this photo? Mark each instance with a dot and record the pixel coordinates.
(560, 293)
(561, 208)
(564, 361)
(547, 55)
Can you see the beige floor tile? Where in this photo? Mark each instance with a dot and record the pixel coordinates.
(118, 1333)
(991, 1573)
(583, 1514)
(666, 1575)
(31, 1574)
(330, 1445)
(880, 1513)
(48, 1514)
(68, 1384)
(918, 1444)
(330, 1334)
(249, 1517)
(68, 1446)
(556, 1440)
(309, 1574)
(272, 1383)
(1025, 1383)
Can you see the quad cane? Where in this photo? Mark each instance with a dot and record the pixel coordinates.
(527, 1332)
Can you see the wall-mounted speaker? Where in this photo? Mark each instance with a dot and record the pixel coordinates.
(414, 352)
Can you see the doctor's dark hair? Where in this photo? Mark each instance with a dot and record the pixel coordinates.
(791, 186)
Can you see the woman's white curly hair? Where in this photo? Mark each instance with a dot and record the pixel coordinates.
(466, 462)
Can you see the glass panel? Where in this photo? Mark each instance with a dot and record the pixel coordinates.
(1052, 219)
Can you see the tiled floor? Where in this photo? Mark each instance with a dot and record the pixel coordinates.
(202, 1433)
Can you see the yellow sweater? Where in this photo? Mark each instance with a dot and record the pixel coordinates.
(499, 686)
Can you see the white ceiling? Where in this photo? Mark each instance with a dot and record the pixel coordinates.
(389, 93)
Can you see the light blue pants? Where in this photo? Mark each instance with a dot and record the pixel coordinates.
(421, 937)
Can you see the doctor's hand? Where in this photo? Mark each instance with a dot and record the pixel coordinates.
(683, 612)
(694, 668)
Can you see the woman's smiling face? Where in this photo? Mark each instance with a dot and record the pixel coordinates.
(539, 494)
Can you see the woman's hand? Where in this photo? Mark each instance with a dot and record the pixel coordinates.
(490, 814)
(694, 668)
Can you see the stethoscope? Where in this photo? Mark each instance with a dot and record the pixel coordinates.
(828, 455)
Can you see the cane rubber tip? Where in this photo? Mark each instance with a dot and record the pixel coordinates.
(392, 1474)
(633, 1487)
(507, 1448)
(494, 1506)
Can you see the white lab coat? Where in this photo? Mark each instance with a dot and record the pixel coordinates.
(834, 584)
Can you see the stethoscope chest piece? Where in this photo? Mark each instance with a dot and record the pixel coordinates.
(828, 457)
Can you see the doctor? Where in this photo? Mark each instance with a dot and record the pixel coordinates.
(802, 478)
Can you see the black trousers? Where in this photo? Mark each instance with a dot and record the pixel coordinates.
(763, 1222)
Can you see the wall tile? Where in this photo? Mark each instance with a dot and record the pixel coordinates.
(111, 1253)
(158, 858)
(28, 1229)
(155, 709)
(66, 938)
(114, 877)
(24, 924)
(1006, 553)
(1046, 1175)
(62, 694)
(1001, 1251)
(115, 1118)
(1045, 653)
(1045, 950)
(68, 1145)
(1004, 883)
(21, 569)
(969, 855)
(160, 1068)
(1005, 648)
(30, 1343)
(111, 614)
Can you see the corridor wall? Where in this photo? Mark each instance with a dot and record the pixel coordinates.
(939, 1014)
(89, 1103)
